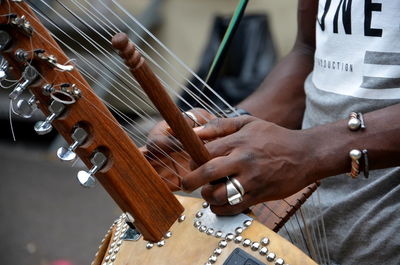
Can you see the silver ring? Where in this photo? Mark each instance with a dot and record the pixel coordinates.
(237, 185)
(192, 117)
(234, 196)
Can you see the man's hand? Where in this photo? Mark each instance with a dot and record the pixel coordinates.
(164, 151)
(271, 162)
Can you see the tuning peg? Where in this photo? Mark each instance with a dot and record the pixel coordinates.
(86, 179)
(5, 40)
(3, 69)
(44, 127)
(29, 75)
(68, 154)
(25, 108)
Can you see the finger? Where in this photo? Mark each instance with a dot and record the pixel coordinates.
(228, 209)
(161, 137)
(217, 194)
(214, 194)
(222, 126)
(219, 147)
(198, 116)
(214, 169)
(222, 146)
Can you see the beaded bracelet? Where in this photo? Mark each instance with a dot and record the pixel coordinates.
(355, 156)
(356, 121)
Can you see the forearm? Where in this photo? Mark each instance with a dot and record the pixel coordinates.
(330, 144)
(280, 98)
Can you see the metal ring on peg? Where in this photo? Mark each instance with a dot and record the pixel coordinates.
(54, 95)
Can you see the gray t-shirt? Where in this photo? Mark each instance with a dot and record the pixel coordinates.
(361, 216)
(356, 68)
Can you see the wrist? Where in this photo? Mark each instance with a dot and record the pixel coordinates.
(329, 147)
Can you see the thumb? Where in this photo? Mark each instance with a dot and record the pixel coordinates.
(222, 127)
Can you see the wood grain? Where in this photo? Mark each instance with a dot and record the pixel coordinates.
(127, 177)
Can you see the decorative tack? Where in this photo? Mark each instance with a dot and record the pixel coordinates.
(168, 234)
(116, 250)
(182, 218)
(107, 258)
(205, 204)
(217, 251)
(113, 258)
(112, 245)
(238, 230)
(279, 261)
(238, 239)
(212, 259)
(255, 246)
(199, 214)
(219, 234)
(197, 224)
(264, 241)
(210, 231)
(271, 256)
(161, 243)
(263, 251)
(203, 228)
(207, 263)
(246, 242)
(149, 245)
(223, 243)
(247, 223)
(110, 251)
(229, 237)
(119, 243)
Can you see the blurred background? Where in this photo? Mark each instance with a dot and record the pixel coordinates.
(47, 218)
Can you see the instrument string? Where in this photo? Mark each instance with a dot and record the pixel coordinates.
(319, 238)
(10, 112)
(310, 235)
(294, 232)
(192, 94)
(119, 61)
(197, 98)
(99, 47)
(177, 59)
(321, 219)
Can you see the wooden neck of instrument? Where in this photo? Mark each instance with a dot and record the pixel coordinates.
(127, 176)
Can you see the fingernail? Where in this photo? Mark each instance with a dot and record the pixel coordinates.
(196, 129)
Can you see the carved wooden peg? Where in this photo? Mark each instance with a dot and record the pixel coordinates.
(160, 98)
(127, 51)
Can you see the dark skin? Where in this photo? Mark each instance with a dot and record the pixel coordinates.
(267, 152)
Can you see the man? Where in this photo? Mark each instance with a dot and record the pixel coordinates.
(352, 65)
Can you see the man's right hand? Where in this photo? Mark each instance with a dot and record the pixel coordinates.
(165, 153)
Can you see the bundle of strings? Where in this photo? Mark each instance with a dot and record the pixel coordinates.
(111, 80)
